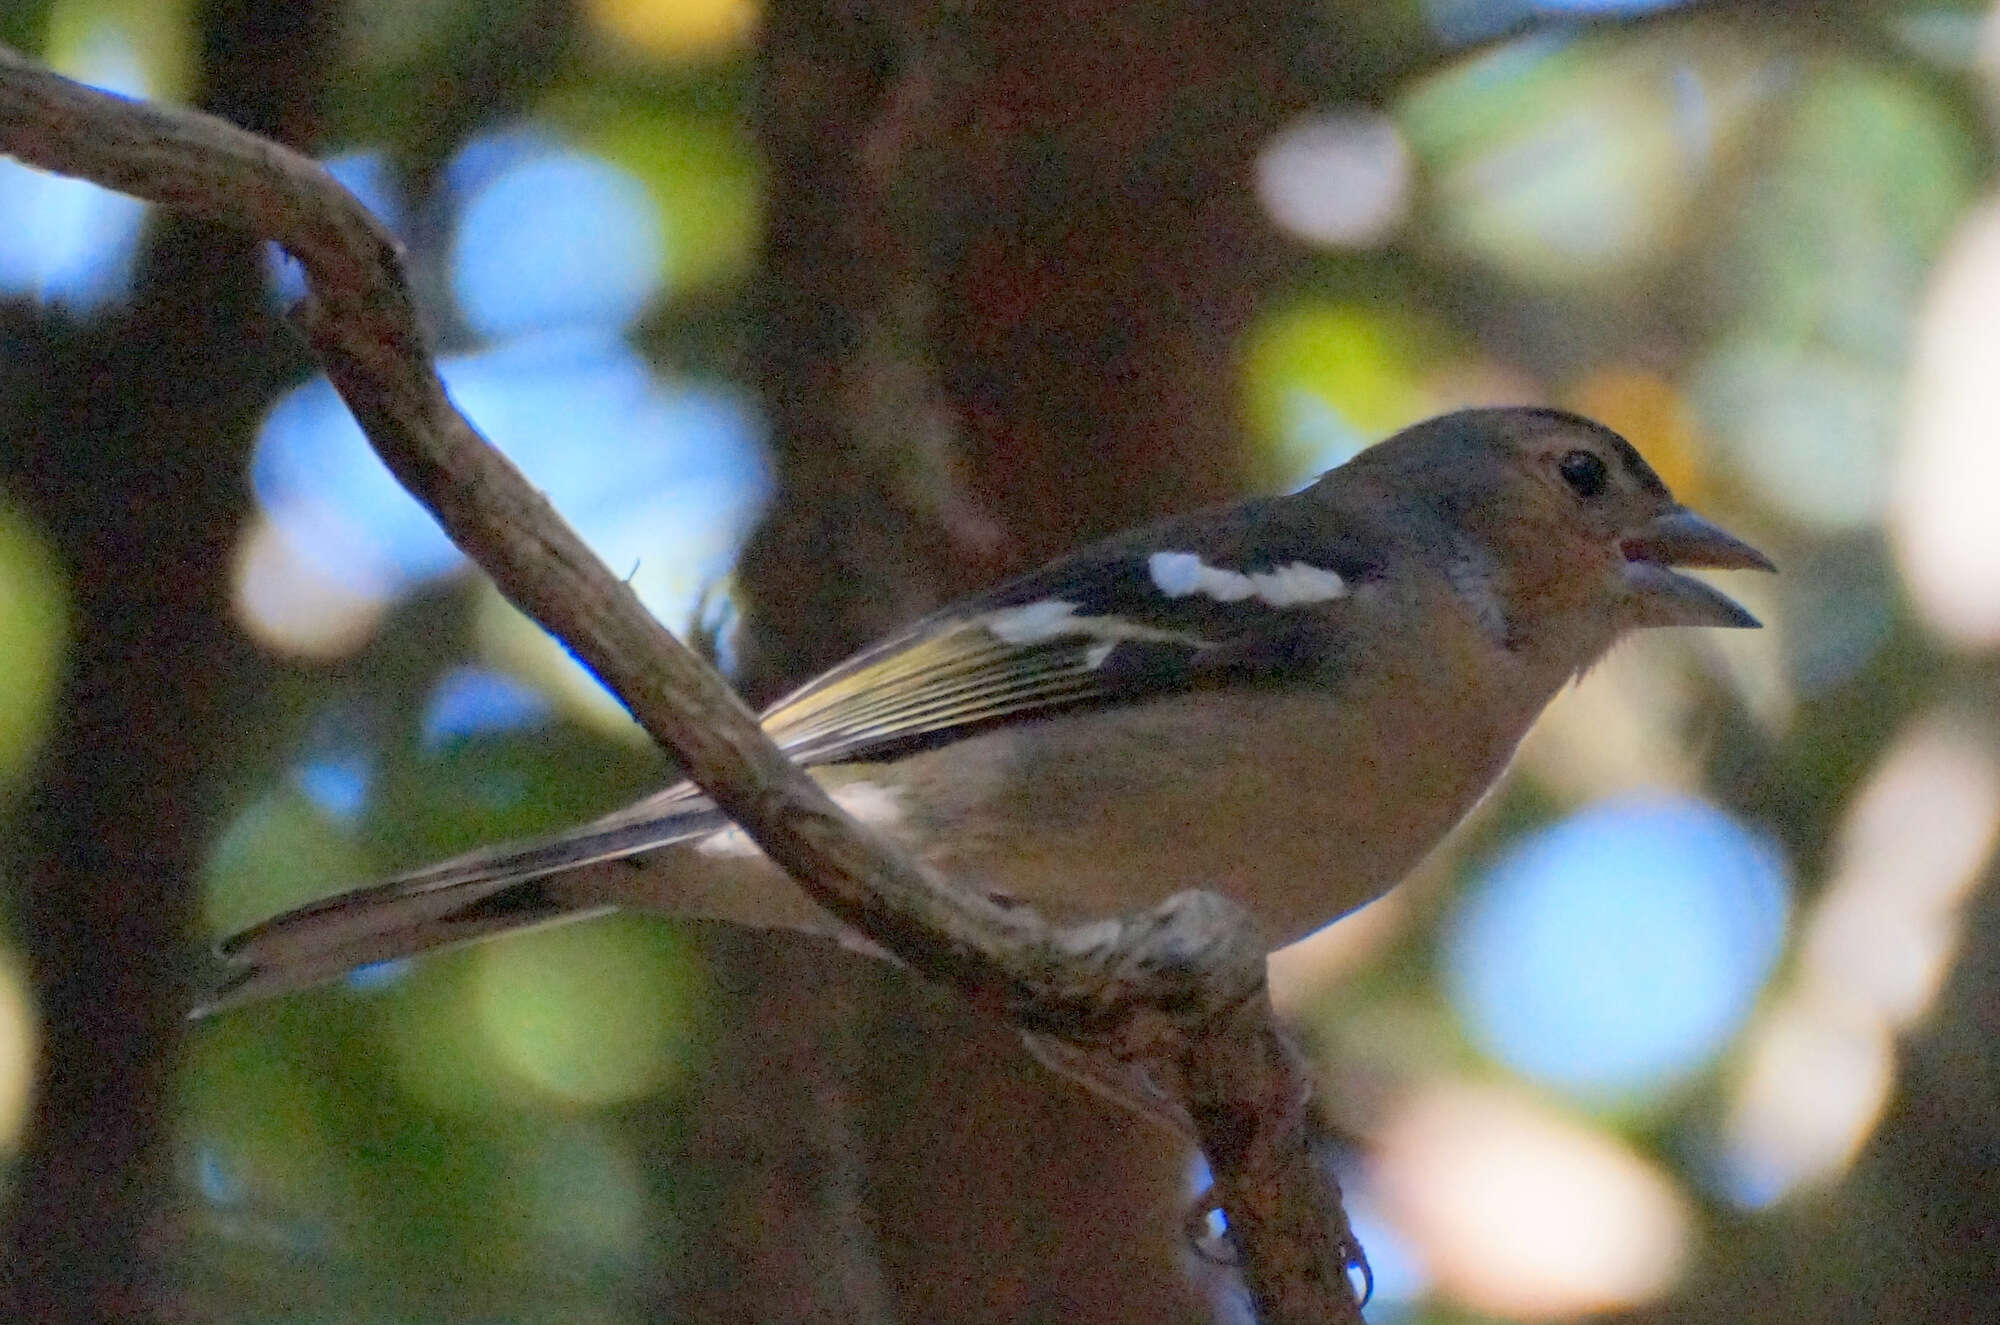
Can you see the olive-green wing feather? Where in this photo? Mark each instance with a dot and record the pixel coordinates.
(966, 674)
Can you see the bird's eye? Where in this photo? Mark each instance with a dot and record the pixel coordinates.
(1583, 472)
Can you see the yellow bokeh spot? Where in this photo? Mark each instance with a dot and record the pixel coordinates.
(17, 1050)
(589, 1013)
(676, 29)
(81, 33)
(1322, 378)
(701, 170)
(1947, 466)
(1654, 417)
(34, 626)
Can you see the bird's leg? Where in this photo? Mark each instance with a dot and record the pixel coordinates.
(1132, 1087)
(1128, 1086)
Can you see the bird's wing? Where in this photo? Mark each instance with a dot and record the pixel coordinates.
(1174, 607)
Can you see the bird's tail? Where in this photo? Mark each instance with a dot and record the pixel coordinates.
(474, 896)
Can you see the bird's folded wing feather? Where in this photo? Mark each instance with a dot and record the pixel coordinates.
(1175, 607)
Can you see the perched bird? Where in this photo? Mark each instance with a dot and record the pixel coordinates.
(1290, 700)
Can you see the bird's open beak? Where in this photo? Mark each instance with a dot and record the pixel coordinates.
(1682, 538)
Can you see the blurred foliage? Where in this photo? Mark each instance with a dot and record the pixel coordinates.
(161, 30)
(33, 631)
(1323, 380)
(1717, 231)
(697, 163)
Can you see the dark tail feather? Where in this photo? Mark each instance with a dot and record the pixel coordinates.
(475, 896)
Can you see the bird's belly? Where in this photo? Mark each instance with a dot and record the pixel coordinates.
(1299, 809)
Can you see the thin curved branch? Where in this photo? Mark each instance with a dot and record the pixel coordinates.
(1184, 982)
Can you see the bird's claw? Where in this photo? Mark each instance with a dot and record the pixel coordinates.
(1206, 1228)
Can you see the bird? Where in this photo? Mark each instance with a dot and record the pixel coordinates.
(1290, 700)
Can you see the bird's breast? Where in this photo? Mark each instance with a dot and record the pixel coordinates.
(1300, 804)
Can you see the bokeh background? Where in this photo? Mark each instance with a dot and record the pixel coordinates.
(810, 316)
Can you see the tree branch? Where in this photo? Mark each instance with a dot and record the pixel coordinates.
(1183, 983)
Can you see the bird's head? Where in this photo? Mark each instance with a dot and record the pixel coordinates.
(1570, 521)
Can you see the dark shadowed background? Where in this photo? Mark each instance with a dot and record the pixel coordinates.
(811, 316)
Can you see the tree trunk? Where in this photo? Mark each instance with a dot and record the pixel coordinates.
(133, 438)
